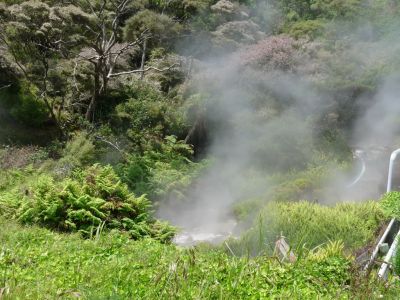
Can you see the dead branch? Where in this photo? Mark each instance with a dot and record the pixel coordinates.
(113, 145)
(5, 86)
(143, 71)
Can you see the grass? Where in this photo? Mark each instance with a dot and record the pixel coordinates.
(291, 186)
(308, 225)
(390, 204)
(36, 263)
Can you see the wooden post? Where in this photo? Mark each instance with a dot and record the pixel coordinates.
(283, 248)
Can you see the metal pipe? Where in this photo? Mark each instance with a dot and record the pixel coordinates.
(359, 154)
(383, 271)
(393, 157)
(381, 241)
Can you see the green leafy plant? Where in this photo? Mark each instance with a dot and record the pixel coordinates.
(91, 198)
(390, 204)
(147, 117)
(79, 150)
(167, 171)
(24, 105)
(307, 28)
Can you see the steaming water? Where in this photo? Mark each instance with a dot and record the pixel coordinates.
(193, 236)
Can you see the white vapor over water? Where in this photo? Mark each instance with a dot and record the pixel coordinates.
(263, 123)
(252, 136)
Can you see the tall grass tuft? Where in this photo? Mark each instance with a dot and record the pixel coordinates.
(309, 225)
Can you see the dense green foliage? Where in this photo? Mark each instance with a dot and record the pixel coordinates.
(161, 173)
(112, 110)
(90, 200)
(390, 204)
(24, 105)
(146, 117)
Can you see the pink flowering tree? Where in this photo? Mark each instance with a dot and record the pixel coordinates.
(273, 53)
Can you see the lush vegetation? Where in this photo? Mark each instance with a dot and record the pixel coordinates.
(36, 263)
(390, 204)
(87, 202)
(114, 114)
(309, 225)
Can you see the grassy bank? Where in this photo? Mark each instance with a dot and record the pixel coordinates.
(36, 263)
(308, 225)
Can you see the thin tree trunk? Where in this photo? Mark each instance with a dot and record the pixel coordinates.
(95, 97)
(143, 59)
(46, 101)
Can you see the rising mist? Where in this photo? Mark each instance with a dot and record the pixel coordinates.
(272, 111)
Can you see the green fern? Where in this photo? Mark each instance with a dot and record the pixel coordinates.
(91, 197)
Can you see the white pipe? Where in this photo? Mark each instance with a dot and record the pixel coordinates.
(393, 157)
(358, 154)
(383, 271)
(381, 241)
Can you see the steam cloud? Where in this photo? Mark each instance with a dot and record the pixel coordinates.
(262, 123)
(251, 137)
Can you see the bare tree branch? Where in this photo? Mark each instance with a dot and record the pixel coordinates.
(91, 8)
(143, 71)
(74, 76)
(5, 86)
(113, 145)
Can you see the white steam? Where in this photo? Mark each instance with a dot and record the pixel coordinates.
(254, 136)
(262, 124)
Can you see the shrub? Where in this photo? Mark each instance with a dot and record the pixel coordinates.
(24, 105)
(329, 9)
(161, 173)
(79, 150)
(147, 117)
(91, 198)
(231, 35)
(307, 28)
(161, 27)
(337, 8)
(181, 9)
(295, 186)
(390, 204)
